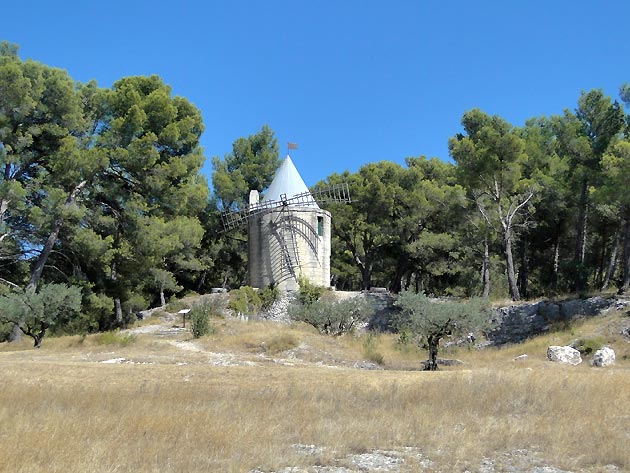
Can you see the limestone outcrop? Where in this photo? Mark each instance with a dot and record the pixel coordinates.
(515, 323)
(604, 357)
(565, 355)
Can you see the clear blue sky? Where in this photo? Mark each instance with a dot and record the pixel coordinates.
(350, 81)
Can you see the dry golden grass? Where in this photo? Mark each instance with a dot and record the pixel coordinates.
(62, 412)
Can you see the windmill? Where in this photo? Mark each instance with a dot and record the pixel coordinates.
(288, 233)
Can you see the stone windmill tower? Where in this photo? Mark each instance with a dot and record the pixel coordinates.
(289, 235)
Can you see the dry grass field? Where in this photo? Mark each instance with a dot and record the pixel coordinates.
(265, 397)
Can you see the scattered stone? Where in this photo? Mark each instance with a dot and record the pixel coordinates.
(444, 362)
(604, 357)
(279, 310)
(565, 355)
(487, 466)
(547, 469)
(621, 305)
(376, 461)
(366, 365)
(308, 449)
(330, 469)
(521, 357)
(114, 361)
(611, 468)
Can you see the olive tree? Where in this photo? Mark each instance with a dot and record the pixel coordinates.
(36, 312)
(435, 320)
(333, 318)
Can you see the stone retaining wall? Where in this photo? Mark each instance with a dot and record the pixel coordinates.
(515, 323)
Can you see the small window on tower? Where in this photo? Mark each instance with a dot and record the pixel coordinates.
(320, 225)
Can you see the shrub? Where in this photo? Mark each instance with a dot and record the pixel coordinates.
(405, 338)
(370, 349)
(282, 342)
(200, 320)
(333, 318)
(52, 306)
(175, 306)
(586, 346)
(115, 338)
(245, 300)
(309, 292)
(407, 342)
(5, 331)
(268, 296)
(436, 320)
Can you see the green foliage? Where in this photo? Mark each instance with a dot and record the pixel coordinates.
(8, 49)
(107, 180)
(245, 300)
(588, 346)
(36, 312)
(399, 221)
(370, 348)
(492, 165)
(5, 331)
(405, 338)
(282, 342)
(115, 337)
(407, 342)
(250, 166)
(176, 305)
(333, 318)
(268, 296)
(200, 320)
(435, 320)
(164, 280)
(308, 292)
(422, 316)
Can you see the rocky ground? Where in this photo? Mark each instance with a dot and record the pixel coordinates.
(172, 344)
(412, 459)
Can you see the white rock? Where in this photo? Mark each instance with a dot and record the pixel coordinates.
(604, 357)
(521, 357)
(565, 355)
(114, 361)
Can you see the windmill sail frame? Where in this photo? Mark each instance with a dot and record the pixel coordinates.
(338, 193)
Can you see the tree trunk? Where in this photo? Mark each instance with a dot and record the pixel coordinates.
(36, 274)
(485, 268)
(16, 332)
(118, 311)
(366, 271)
(366, 278)
(395, 284)
(35, 335)
(599, 277)
(580, 243)
(509, 259)
(118, 314)
(202, 281)
(523, 272)
(626, 259)
(556, 264)
(434, 346)
(612, 262)
(162, 298)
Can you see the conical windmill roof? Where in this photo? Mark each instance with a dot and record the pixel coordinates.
(288, 181)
